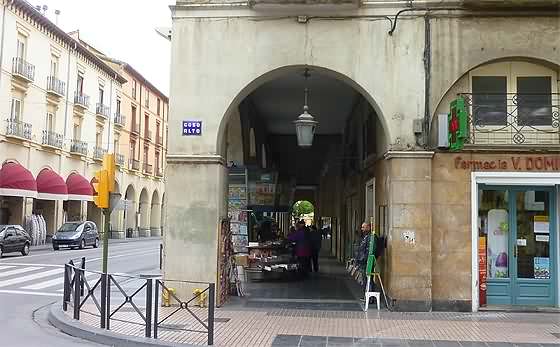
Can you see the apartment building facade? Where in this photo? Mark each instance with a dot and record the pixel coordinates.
(62, 107)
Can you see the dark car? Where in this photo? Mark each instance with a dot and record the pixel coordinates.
(76, 234)
(13, 238)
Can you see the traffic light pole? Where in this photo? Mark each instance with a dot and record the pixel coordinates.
(107, 220)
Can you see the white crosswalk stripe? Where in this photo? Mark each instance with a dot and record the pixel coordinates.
(19, 271)
(31, 277)
(51, 283)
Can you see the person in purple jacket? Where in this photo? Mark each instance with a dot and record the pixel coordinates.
(302, 249)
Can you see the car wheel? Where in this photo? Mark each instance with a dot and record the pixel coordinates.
(1, 252)
(96, 243)
(25, 250)
(82, 244)
(55, 247)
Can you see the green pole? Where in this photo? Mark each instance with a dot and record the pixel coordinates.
(107, 214)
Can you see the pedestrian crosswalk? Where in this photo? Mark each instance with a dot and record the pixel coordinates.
(31, 279)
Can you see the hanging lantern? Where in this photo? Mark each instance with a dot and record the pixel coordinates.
(305, 128)
(305, 124)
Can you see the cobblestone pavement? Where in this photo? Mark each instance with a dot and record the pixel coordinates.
(286, 327)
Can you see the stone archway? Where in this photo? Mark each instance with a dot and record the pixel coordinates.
(130, 225)
(144, 211)
(155, 215)
(162, 216)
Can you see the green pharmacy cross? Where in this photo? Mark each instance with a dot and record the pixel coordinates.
(457, 120)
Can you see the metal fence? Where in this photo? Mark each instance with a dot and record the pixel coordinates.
(134, 300)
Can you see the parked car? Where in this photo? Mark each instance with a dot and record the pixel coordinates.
(76, 234)
(13, 238)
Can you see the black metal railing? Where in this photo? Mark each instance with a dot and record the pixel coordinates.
(134, 300)
(120, 119)
(119, 159)
(81, 100)
(80, 147)
(512, 118)
(134, 164)
(55, 85)
(50, 138)
(148, 168)
(99, 152)
(18, 129)
(22, 68)
(102, 110)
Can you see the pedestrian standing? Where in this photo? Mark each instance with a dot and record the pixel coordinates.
(315, 241)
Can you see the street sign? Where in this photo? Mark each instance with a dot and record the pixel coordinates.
(115, 198)
(192, 128)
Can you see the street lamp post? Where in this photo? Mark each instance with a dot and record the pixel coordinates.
(305, 124)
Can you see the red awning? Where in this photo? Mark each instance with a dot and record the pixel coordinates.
(15, 180)
(79, 188)
(50, 186)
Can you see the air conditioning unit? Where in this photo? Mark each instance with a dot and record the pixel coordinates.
(443, 131)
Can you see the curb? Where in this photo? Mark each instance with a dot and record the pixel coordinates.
(48, 245)
(72, 327)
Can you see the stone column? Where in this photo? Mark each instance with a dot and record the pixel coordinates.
(409, 253)
(196, 202)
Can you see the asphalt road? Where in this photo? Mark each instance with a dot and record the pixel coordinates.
(28, 285)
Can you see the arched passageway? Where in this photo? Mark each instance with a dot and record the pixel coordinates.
(155, 215)
(144, 211)
(130, 212)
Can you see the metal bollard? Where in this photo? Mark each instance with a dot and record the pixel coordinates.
(166, 296)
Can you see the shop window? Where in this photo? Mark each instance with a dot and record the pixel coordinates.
(493, 216)
(534, 101)
(489, 100)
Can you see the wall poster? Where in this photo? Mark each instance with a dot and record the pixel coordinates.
(541, 267)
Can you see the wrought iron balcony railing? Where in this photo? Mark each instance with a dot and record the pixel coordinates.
(56, 86)
(120, 119)
(81, 100)
(135, 129)
(23, 69)
(99, 152)
(102, 110)
(52, 139)
(148, 168)
(134, 164)
(16, 128)
(78, 147)
(119, 159)
(513, 119)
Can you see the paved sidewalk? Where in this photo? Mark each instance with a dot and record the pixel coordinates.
(284, 327)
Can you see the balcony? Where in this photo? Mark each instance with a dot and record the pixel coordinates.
(18, 129)
(135, 129)
(120, 120)
(98, 153)
(119, 159)
(148, 134)
(78, 147)
(55, 86)
(512, 119)
(134, 164)
(148, 168)
(52, 139)
(159, 140)
(23, 70)
(81, 101)
(102, 111)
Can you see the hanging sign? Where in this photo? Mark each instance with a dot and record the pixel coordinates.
(458, 127)
(192, 128)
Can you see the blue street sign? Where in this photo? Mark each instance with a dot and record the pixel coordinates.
(192, 127)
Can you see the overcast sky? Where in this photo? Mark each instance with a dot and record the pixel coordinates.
(122, 29)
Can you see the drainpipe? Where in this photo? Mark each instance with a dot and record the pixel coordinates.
(427, 77)
(110, 113)
(2, 36)
(67, 91)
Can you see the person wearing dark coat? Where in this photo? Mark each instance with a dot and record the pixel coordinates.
(315, 240)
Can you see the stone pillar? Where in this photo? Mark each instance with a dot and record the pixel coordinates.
(196, 202)
(409, 253)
